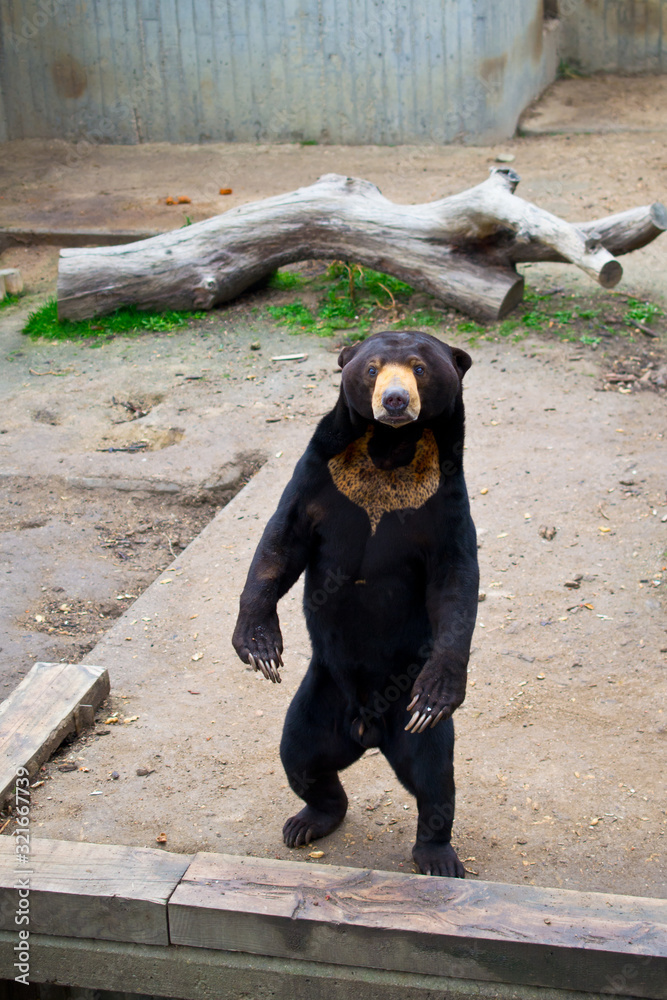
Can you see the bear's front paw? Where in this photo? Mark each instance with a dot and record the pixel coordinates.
(260, 645)
(435, 696)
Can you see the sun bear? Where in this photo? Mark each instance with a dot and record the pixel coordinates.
(377, 514)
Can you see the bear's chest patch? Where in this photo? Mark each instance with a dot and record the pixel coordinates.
(382, 490)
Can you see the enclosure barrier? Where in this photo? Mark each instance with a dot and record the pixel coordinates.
(145, 921)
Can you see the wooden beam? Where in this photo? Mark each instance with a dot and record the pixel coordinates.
(42, 711)
(443, 927)
(203, 974)
(96, 891)
(149, 922)
(11, 237)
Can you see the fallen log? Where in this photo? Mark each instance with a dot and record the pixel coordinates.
(462, 249)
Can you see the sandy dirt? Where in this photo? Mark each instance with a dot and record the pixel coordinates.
(560, 747)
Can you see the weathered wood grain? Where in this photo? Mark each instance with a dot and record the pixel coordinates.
(444, 927)
(42, 711)
(461, 249)
(97, 891)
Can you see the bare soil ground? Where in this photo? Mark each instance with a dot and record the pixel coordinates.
(560, 753)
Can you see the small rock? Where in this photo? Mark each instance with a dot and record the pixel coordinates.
(255, 346)
(143, 771)
(547, 532)
(572, 584)
(115, 775)
(161, 838)
(69, 765)
(505, 158)
(481, 596)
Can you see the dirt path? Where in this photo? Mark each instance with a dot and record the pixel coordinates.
(560, 748)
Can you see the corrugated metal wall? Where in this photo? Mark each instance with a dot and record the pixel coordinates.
(370, 71)
(620, 36)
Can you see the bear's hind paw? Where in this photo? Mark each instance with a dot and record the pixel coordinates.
(438, 859)
(310, 824)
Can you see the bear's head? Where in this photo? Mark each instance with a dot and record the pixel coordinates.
(401, 377)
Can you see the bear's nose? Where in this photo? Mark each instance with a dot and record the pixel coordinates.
(395, 401)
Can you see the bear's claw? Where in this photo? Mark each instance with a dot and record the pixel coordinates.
(267, 667)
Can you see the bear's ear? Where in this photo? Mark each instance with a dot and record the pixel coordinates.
(462, 360)
(347, 354)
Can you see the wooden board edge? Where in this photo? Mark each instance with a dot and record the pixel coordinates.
(494, 960)
(199, 974)
(117, 915)
(94, 695)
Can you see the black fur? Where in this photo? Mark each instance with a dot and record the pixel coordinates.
(390, 613)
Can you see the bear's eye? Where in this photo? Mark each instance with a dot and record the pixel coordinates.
(372, 370)
(419, 369)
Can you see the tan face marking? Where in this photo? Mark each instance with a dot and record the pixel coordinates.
(379, 490)
(396, 376)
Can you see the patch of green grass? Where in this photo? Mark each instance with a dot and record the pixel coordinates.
(420, 317)
(511, 328)
(285, 280)
(9, 300)
(534, 319)
(585, 339)
(563, 316)
(468, 326)
(352, 298)
(588, 313)
(295, 314)
(642, 312)
(532, 295)
(44, 323)
(567, 71)
(338, 310)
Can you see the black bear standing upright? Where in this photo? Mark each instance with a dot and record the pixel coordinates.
(377, 515)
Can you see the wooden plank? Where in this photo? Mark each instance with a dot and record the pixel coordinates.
(100, 891)
(201, 974)
(445, 927)
(42, 711)
(13, 282)
(10, 237)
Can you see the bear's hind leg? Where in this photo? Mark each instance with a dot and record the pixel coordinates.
(424, 763)
(313, 749)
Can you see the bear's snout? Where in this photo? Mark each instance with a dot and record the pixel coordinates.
(396, 396)
(395, 401)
